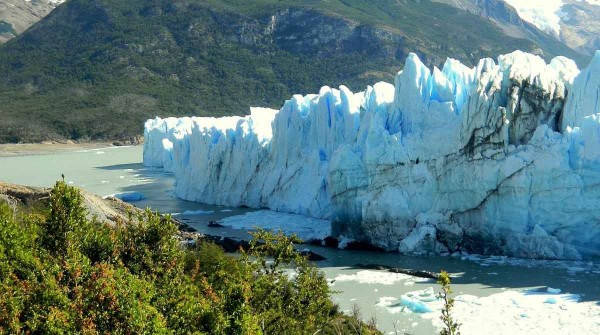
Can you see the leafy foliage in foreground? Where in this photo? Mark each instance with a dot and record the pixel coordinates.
(451, 327)
(61, 273)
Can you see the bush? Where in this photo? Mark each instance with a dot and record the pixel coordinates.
(67, 217)
(62, 273)
(451, 327)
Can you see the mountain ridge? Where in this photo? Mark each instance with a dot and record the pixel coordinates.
(575, 23)
(124, 62)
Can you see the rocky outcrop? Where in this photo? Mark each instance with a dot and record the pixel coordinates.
(105, 210)
(315, 33)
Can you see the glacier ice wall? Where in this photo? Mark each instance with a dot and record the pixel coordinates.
(502, 158)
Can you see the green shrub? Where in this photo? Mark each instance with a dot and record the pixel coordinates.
(451, 327)
(67, 217)
(62, 273)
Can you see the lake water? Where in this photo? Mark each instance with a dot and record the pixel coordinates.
(497, 295)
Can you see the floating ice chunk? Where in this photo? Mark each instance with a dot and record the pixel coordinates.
(390, 304)
(374, 277)
(553, 290)
(198, 212)
(414, 304)
(418, 301)
(306, 228)
(130, 196)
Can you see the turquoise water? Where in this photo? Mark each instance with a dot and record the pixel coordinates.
(115, 170)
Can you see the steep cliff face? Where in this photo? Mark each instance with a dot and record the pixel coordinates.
(499, 158)
(314, 33)
(307, 31)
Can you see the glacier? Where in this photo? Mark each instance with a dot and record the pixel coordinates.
(499, 158)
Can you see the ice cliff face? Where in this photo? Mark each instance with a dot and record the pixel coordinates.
(500, 158)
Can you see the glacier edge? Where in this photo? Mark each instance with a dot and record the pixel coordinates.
(501, 158)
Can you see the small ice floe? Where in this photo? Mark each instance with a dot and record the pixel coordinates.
(553, 290)
(390, 304)
(307, 228)
(130, 196)
(198, 212)
(100, 152)
(375, 277)
(104, 182)
(504, 312)
(418, 301)
(226, 210)
(574, 270)
(572, 267)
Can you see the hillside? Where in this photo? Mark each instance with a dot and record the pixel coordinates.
(18, 15)
(575, 23)
(95, 69)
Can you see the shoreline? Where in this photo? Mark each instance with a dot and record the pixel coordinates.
(45, 148)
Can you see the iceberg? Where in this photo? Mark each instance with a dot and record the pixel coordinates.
(499, 158)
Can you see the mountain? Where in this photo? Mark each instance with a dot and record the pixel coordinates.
(96, 69)
(580, 22)
(16, 16)
(575, 23)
